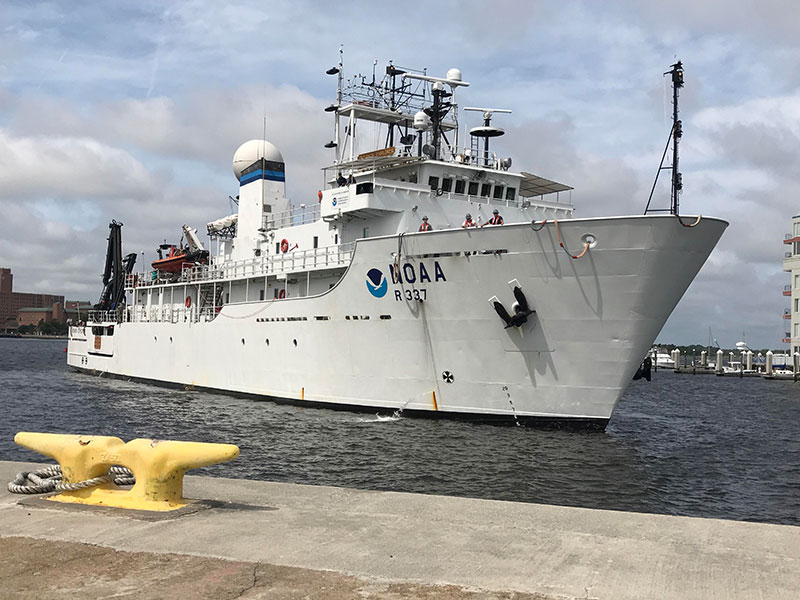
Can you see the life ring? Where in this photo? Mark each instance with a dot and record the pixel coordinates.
(284, 245)
(188, 302)
(281, 294)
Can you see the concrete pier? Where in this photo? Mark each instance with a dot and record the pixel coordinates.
(255, 539)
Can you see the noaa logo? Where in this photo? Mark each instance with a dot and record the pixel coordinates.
(377, 283)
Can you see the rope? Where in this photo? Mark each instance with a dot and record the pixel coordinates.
(540, 227)
(560, 243)
(49, 479)
(686, 224)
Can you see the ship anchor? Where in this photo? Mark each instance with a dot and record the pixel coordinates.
(521, 308)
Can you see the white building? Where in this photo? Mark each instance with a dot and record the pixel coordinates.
(791, 263)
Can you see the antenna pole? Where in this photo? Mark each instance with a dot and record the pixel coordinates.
(338, 102)
(677, 132)
(487, 121)
(261, 159)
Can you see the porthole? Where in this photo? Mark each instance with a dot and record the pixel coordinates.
(589, 238)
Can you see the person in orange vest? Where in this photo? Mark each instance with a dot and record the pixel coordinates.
(425, 225)
(495, 220)
(468, 222)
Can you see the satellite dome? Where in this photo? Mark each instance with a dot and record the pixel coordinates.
(251, 151)
(453, 75)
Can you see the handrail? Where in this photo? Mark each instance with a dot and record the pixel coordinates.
(289, 262)
(291, 217)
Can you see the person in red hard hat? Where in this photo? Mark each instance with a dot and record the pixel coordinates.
(425, 226)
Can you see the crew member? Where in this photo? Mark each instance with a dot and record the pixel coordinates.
(468, 222)
(425, 225)
(495, 220)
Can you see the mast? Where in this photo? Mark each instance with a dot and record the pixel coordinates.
(675, 135)
(677, 132)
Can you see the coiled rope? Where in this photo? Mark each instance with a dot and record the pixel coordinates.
(49, 479)
(561, 243)
(687, 224)
(540, 227)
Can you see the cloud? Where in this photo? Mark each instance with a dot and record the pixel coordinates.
(65, 167)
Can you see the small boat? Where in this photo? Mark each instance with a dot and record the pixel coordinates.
(661, 359)
(180, 257)
(786, 374)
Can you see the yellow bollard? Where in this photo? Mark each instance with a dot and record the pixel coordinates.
(158, 466)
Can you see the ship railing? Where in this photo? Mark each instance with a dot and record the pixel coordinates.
(168, 314)
(292, 217)
(294, 261)
(288, 262)
(106, 316)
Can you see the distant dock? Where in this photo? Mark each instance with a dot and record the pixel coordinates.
(274, 540)
(747, 365)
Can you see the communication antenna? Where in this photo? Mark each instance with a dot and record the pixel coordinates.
(486, 131)
(675, 134)
(338, 71)
(440, 104)
(261, 158)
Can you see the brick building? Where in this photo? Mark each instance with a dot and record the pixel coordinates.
(32, 316)
(11, 302)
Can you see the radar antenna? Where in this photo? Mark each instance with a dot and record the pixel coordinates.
(441, 105)
(486, 131)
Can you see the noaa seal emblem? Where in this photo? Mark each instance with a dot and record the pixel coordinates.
(377, 283)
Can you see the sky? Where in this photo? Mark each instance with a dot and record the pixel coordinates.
(133, 110)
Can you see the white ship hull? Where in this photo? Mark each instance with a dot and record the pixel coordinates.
(433, 343)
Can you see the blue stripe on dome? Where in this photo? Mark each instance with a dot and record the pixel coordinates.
(260, 174)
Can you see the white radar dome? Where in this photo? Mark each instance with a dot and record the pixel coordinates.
(250, 152)
(453, 75)
(421, 121)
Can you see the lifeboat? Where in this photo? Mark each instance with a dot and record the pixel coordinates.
(178, 258)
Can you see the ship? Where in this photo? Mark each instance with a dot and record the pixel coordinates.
(396, 289)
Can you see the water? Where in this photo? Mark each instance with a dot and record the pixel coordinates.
(700, 446)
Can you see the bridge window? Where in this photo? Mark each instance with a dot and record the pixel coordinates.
(485, 189)
(473, 188)
(460, 185)
(498, 192)
(447, 184)
(511, 193)
(433, 182)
